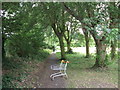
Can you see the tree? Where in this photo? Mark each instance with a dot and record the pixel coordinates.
(21, 20)
(54, 12)
(81, 7)
(97, 17)
(59, 31)
(87, 38)
(9, 24)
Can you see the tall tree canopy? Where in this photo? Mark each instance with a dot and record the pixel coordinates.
(96, 19)
(34, 22)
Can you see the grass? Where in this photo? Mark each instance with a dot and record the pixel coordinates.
(17, 69)
(81, 76)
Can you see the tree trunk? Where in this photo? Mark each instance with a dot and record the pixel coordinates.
(86, 41)
(101, 54)
(3, 49)
(113, 49)
(87, 44)
(62, 47)
(68, 46)
(60, 37)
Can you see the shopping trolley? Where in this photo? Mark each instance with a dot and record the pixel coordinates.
(61, 68)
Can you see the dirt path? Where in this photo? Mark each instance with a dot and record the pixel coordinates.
(45, 80)
(43, 76)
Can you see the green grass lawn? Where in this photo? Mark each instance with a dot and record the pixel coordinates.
(81, 76)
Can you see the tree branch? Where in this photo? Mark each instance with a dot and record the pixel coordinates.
(65, 36)
(55, 29)
(72, 12)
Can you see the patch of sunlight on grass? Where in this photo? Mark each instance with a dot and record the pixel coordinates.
(79, 49)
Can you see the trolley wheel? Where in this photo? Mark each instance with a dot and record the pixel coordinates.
(52, 78)
(66, 77)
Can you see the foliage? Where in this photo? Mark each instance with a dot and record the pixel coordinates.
(113, 35)
(97, 21)
(17, 70)
(79, 40)
(25, 44)
(7, 81)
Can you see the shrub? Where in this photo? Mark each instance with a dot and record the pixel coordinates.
(23, 45)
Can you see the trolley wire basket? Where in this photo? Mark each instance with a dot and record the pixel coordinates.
(61, 68)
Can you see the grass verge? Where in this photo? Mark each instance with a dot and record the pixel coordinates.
(81, 76)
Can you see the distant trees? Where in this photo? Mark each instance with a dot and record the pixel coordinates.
(87, 39)
(71, 27)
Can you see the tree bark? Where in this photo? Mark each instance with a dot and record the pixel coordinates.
(113, 49)
(3, 49)
(87, 43)
(60, 37)
(68, 46)
(62, 47)
(101, 54)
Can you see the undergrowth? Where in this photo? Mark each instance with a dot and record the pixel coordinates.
(15, 68)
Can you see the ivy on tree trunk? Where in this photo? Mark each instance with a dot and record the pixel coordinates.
(100, 54)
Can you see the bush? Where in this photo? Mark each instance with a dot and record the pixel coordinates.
(24, 45)
(42, 54)
(15, 68)
(7, 81)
